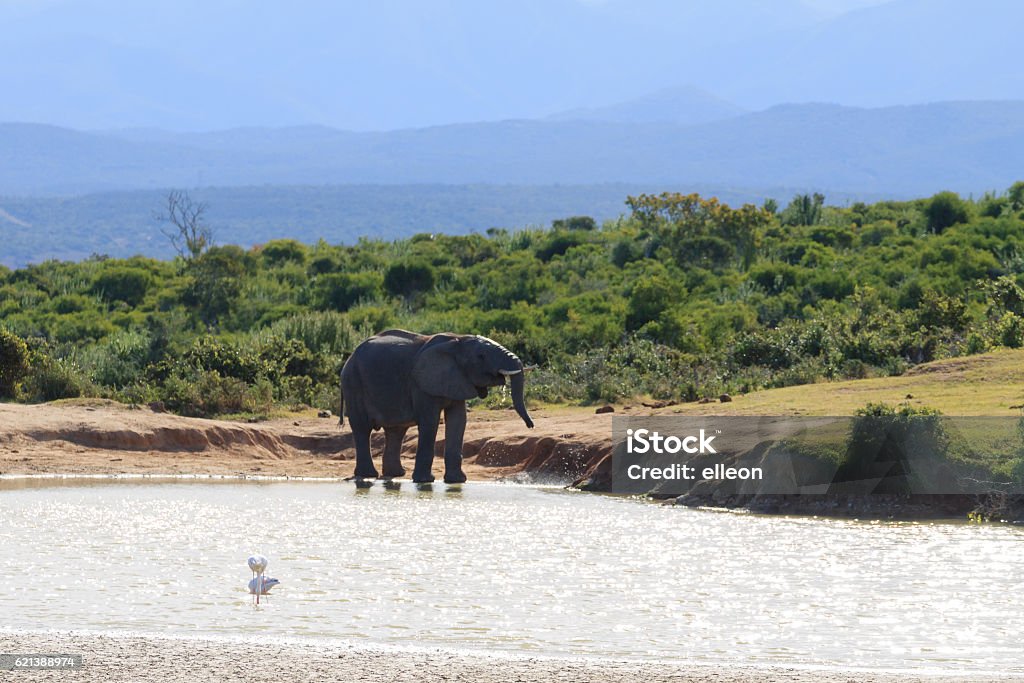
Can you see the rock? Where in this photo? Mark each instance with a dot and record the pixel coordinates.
(158, 407)
(605, 409)
(324, 413)
(659, 404)
(725, 398)
(706, 400)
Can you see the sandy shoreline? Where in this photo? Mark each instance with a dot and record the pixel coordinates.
(103, 437)
(167, 659)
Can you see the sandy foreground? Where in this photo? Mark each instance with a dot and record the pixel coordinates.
(135, 658)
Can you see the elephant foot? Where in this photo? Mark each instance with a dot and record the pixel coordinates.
(457, 478)
(394, 474)
(366, 474)
(422, 478)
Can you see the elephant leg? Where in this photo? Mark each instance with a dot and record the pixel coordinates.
(425, 447)
(454, 430)
(364, 459)
(393, 452)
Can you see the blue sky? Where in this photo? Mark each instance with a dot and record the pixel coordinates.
(209, 64)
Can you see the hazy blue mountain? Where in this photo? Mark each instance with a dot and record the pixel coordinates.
(214, 64)
(964, 146)
(683, 105)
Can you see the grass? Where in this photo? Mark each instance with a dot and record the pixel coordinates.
(990, 384)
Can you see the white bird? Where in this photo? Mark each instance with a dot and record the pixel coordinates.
(267, 585)
(258, 564)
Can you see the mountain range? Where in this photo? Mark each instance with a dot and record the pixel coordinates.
(969, 147)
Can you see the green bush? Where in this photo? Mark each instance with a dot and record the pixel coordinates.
(118, 283)
(945, 210)
(341, 291)
(14, 362)
(277, 253)
(119, 360)
(886, 443)
(407, 278)
(55, 378)
(1010, 331)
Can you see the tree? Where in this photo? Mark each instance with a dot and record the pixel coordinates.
(945, 210)
(216, 282)
(1015, 196)
(675, 217)
(574, 223)
(279, 252)
(805, 209)
(120, 283)
(342, 291)
(406, 278)
(183, 225)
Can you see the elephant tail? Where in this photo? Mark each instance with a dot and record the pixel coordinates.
(341, 408)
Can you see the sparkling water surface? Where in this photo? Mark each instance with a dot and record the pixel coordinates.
(509, 568)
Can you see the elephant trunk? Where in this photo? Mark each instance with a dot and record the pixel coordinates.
(517, 382)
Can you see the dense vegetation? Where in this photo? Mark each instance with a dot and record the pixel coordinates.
(684, 297)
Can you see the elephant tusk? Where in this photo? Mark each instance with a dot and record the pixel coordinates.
(509, 373)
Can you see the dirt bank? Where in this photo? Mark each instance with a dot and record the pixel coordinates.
(567, 446)
(109, 438)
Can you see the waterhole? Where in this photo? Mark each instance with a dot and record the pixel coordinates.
(509, 568)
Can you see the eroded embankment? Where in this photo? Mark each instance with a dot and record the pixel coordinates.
(893, 482)
(110, 438)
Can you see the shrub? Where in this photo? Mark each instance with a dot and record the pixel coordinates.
(557, 243)
(14, 365)
(228, 360)
(123, 284)
(279, 252)
(884, 444)
(55, 378)
(1010, 331)
(341, 291)
(323, 332)
(649, 297)
(945, 210)
(574, 223)
(408, 278)
(119, 361)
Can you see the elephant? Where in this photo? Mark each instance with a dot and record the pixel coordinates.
(397, 379)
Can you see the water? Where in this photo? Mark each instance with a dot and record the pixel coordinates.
(513, 568)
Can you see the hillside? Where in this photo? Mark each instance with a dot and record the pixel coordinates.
(683, 297)
(990, 384)
(685, 105)
(968, 147)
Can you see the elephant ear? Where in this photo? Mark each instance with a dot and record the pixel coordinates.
(438, 373)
